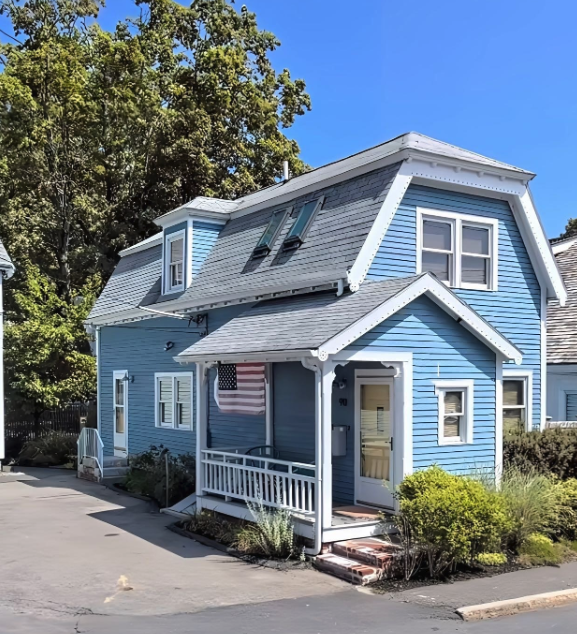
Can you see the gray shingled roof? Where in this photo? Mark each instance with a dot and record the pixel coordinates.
(302, 322)
(5, 261)
(135, 282)
(562, 322)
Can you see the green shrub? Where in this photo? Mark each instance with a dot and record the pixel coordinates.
(147, 475)
(54, 449)
(452, 518)
(533, 501)
(214, 526)
(539, 550)
(552, 451)
(271, 535)
(565, 525)
(491, 559)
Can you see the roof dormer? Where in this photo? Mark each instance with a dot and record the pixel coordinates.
(189, 232)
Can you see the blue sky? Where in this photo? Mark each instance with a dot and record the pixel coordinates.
(499, 78)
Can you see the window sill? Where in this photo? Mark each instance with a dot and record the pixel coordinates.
(453, 443)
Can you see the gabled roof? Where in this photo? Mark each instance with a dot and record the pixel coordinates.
(322, 324)
(6, 264)
(562, 321)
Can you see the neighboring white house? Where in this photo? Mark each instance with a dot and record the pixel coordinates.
(6, 272)
(562, 339)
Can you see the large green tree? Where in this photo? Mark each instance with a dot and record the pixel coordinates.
(570, 229)
(101, 132)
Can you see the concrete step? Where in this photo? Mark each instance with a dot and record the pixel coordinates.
(347, 569)
(114, 472)
(370, 550)
(115, 461)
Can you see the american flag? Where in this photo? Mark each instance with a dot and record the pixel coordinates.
(241, 388)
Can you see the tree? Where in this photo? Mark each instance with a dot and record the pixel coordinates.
(101, 132)
(570, 229)
(48, 362)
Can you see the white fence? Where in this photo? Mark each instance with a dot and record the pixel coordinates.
(90, 445)
(277, 483)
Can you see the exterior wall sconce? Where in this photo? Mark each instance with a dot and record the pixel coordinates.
(169, 346)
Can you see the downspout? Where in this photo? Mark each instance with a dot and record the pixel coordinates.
(316, 549)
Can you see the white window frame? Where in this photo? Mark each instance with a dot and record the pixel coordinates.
(173, 376)
(457, 221)
(169, 239)
(527, 377)
(457, 385)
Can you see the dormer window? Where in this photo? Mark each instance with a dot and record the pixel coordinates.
(174, 253)
(305, 214)
(264, 245)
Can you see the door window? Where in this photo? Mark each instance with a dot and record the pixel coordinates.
(375, 431)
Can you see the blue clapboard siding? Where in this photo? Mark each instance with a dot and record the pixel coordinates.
(294, 411)
(514, 309)
(204, 235)
(442, 350)
(139, 348)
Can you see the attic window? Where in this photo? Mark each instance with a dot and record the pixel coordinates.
(296, 235)
(174, 254)
(264, 245)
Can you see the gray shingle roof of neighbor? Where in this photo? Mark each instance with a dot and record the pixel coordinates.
(5, 261)
(299, 323)
(562, 322)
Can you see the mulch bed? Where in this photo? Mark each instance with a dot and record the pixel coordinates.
(275, 564)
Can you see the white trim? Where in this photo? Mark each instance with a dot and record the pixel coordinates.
(443, 297)
(144, 245)
(498, 417)
(543, 369)
(2, 441)
(527, 377)
(201, 421)
(123, 375)
(98, 380)
(266, 357)
(269, 396)
(173, 376)
(167, 289)
(357, 530)
(467, 386)
(327, 376)
(563, 245)
(457, 221)
(188, 253)
(374, 240)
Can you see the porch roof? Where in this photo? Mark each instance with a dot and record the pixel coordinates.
(321, 324)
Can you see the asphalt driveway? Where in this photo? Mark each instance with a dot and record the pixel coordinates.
(70, 547)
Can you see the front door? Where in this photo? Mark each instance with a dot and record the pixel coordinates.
(374, 440)
(120, 418)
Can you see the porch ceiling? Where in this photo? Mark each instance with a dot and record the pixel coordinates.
(321, 323)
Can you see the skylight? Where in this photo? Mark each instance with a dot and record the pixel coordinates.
(295, 236)
(264, 245)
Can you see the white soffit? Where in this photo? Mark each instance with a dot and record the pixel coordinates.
(445, 299)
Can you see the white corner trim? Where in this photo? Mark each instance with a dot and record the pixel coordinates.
(543, 351)
(527, 377)
(444, 298)
(468, 387)
(535, 236)
(457, 221)
(373, 241)
(498, 417)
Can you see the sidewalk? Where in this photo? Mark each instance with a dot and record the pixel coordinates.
(510, 585)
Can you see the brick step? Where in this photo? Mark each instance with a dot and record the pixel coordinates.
(347, 569)
(370, 550)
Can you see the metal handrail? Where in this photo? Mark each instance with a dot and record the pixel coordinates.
(90, 445)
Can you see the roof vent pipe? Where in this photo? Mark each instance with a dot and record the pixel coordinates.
(285, 171)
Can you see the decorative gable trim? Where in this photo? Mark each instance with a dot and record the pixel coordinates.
(441, 174)
(428, 285)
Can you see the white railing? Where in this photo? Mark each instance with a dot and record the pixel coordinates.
(90, 445)
(277, 483)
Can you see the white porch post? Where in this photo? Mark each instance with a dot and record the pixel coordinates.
(201, 426)
(326, 466)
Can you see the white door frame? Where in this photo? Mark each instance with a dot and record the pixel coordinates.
(123, 375)
(374, 377)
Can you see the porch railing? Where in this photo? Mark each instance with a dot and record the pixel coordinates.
(277, 483)
(90, 445)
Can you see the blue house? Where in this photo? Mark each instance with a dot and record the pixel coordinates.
(316, 341)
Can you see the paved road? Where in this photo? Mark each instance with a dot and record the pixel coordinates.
(78, 558)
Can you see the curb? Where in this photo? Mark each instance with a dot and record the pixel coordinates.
(515, 606)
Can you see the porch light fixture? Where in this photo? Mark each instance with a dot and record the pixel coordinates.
(169, 346)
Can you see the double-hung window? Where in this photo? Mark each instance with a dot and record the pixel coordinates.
(460, 250)
(455, 403)
(174, 256)
(517, 396)
(174, 400)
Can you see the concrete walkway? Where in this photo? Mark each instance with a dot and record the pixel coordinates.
(71, 547)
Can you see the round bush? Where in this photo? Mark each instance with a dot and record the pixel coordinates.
(453, 518)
